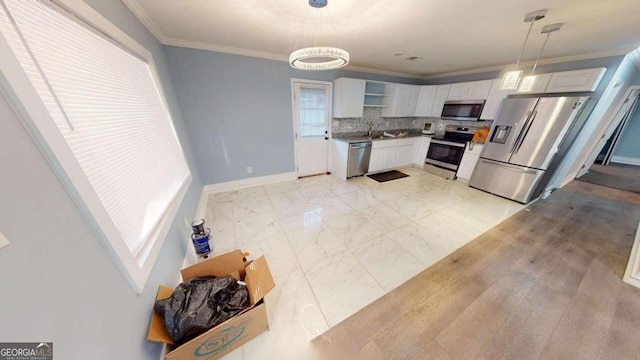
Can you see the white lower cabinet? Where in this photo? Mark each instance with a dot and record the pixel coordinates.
(422, 148)
(382, 159)
(387, 154)
(469, 159)
(339, 156)
(403, 155)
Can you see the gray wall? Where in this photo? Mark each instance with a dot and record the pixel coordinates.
(636, 80)
(238, 110)
(629, 144)
(58, 282)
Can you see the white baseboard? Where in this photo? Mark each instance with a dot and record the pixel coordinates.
(247, 183)
(625, 160)
(632, 274)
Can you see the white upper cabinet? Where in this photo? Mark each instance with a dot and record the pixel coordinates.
(472, 90)
(576, 80)
(458, 91)
(442, 93)
(348, 98)
(494, 99)
(403, 101)
(479, 90)
(426, 97)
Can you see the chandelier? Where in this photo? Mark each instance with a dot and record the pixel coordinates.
(318, 57)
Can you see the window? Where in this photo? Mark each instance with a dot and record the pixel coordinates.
(106, 125)
(313, 120)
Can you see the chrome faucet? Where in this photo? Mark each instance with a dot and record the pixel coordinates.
(370, 133)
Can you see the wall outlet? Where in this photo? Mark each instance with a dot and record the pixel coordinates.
(3, 241)
(249, 169)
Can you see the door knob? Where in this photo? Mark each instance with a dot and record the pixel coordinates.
(326, 138)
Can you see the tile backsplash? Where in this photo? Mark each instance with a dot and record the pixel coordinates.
(374, 116)
(360, 126)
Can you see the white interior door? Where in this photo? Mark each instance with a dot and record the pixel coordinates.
(623, 109)
(312, 109)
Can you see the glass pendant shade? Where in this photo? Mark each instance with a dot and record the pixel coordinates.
(527, 84)
(511, 80)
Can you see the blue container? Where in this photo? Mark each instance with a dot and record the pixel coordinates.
(201, 243)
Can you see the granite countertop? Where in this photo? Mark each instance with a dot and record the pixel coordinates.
(377, 135)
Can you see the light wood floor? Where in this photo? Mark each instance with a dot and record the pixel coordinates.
(544, 284)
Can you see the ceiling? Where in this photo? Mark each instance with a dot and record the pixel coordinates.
(450, 36)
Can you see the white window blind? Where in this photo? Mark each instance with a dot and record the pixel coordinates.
(313, 110)
(108, 107)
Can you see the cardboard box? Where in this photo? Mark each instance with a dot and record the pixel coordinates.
(232, 333)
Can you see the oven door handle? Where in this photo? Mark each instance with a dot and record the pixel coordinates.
(451, 143)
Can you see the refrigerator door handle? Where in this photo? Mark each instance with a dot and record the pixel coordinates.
(524, 127)
(519, 170)
(526, 131)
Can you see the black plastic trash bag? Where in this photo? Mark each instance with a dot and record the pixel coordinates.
(199, 304)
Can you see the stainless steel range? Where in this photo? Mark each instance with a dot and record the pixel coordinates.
(445, 152)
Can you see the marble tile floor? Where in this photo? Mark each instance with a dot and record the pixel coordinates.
(334, 246)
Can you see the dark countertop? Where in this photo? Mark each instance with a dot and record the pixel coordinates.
(377, 136)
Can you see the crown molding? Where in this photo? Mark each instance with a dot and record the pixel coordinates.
(224, 49)
(271, 56)
(139, 12)
(381, 72)
(594, 55)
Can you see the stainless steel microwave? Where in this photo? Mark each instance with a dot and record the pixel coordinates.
(462, 110)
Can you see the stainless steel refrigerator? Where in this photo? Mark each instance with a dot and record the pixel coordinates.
(522, 143)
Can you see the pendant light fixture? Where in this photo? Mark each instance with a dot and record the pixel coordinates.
(318, 57)
(511, 79)
(529, 81)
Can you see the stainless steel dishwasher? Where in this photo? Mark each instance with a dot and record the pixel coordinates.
(359, 155)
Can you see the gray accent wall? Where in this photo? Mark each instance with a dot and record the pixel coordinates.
(58, 282)
(629, 143)
(238, 110)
